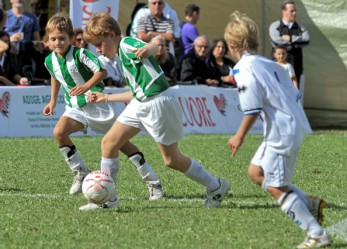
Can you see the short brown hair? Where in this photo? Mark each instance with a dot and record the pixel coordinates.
(285, 3)
(101, 24)
(61, 22)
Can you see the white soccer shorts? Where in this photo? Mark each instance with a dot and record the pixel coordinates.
(160, 115)
(278, 169)
(99, 117)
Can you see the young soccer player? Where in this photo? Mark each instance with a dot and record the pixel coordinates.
(152, 108)
(280, 55)
(79, 71)
(266, 90)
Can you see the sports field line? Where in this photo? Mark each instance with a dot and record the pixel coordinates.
(339, 230)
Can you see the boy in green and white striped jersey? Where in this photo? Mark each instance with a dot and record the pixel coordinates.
(152, 108)
(79, 71)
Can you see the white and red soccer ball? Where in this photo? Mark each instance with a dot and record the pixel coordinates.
(98, 187)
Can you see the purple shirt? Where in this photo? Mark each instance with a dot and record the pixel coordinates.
(188, 34)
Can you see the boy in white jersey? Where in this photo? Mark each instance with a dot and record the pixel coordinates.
(280, 55)
(79, 71)
(152, 108)
(266, 90)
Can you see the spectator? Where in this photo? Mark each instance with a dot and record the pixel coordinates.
(194, 64)
(169, 13)
(77, 39)
(3, 16)
(9, 75)
(280, 55)
(188, 29)
(292, 35)
(22, 26)
(155, 23)
(224, 65)
(165, 59)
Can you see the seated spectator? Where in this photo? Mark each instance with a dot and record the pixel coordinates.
(165, 59)
(280, 55)
(38, 50)
(77, 39)
(194, 64)
(224, 65)
(155, 23)
(9, 75)
(188, 29)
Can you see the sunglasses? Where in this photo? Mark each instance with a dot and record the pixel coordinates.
(155, 3)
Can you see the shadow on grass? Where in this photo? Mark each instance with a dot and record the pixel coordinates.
(336, 206)
(9, 189)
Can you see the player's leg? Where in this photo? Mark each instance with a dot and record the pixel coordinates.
(144, 169)
(114, 139)
(217, 188)
(278, 170)
(62, 130)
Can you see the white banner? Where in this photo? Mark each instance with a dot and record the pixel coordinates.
(82, 10)
(206, 110)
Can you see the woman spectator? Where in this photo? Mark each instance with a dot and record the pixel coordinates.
(165, 59)
(9, 76)
(77, 39)
(218, 51)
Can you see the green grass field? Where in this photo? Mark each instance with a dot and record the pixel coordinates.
(37, 211)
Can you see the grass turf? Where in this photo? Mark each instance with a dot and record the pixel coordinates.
(37, 212)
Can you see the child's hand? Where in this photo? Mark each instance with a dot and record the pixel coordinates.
(78, 90)
(96, 97)
(145, 51)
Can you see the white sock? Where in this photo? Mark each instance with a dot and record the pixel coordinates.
(296, 209)
(73, 159)
(299, 192)
(199, 174)
(143, 167)
(111, 167)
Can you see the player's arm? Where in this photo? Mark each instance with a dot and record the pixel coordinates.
(145, 51)
(97, 97)
(236, 141)
(55, 87)
(97, 78)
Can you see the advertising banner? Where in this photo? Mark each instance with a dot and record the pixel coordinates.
(82, 10)
(206, 110)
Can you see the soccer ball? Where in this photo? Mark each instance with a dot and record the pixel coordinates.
(98, 187)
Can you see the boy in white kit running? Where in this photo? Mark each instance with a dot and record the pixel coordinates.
(79, 71)
(152, 108)
(266, 90)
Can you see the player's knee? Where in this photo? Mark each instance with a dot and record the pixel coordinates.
(59, 133)
(256, 175)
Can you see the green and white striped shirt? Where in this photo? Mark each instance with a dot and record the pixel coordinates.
(75, 68)
(144, 77)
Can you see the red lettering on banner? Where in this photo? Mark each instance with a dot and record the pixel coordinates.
(196, 112)
(87, 14)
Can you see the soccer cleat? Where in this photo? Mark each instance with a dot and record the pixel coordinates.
(76, 186)
(214, 198)
(315, 242)
(316, 206)
(108, 205)
(155, 190)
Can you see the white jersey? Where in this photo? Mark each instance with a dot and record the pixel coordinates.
(289, 68)
(265, 88)
(113, 67)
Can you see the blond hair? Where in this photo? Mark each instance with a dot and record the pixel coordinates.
(61, 22)
(101, 24)
(241, 33)
(161, 58)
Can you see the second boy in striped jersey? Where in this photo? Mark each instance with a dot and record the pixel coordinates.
(79, 71)
(152, 108)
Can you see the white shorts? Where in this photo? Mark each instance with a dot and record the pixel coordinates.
(99, 117)
(278, 169)
(160, 115)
